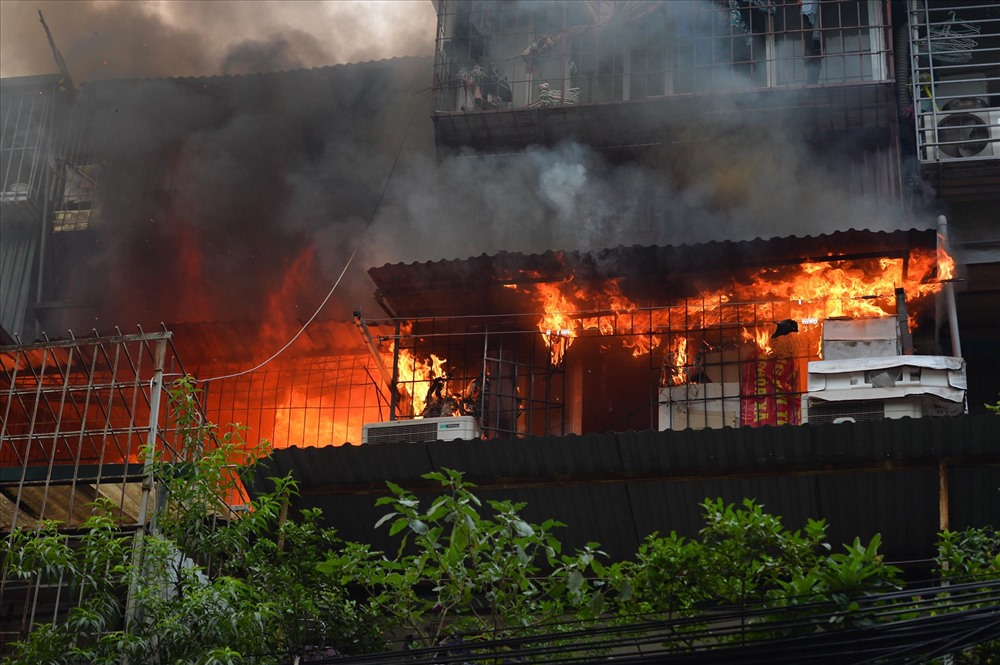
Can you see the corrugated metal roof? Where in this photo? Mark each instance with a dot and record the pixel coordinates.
(36, 81)
(646, 273)
(616, 488)
(394, 61)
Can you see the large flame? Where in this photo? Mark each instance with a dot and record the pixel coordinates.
(416, 375)
(556, 324)
(679, 361)
(807, 293)
(945, 264)
(759, 337)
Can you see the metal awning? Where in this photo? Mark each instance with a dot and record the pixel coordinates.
(649, 274)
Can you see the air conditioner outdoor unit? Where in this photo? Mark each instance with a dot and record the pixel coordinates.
(962, 134)
(421, 430)
(865, 410)
(858, 389)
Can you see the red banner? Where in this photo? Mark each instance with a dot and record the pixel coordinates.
(769, 393)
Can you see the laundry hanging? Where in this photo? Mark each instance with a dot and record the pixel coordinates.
(950, 41)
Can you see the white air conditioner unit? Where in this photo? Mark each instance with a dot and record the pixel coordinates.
(863, 410)
(858, 389)
(421, 430)
(962, 134)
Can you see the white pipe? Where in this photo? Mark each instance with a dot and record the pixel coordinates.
(949, 291)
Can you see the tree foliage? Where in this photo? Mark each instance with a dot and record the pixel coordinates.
(745, 556)
(463, 567)
(971, 555)
(206, 586)
(202, 586)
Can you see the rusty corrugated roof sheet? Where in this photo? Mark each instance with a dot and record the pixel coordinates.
(616, 488)
(647, 273)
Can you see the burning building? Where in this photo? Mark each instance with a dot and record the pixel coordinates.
(662, 217)
(659, 337)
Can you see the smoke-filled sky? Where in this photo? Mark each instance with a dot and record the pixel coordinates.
(273, 178)
(152, 38)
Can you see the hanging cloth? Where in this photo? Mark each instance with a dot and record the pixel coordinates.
(737, 18)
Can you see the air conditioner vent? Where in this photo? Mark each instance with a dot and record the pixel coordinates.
(863, 410)
(421, 430)
(962, 134)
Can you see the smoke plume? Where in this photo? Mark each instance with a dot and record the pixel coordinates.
(274, 179)
(161, 38)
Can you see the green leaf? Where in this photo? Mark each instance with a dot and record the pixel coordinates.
(523, 529)
(384, 519)
(418, 527)
(574, 581)
(398, 526)
(596, 603)
(459, 537)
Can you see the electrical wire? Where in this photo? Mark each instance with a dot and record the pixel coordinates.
(907, 626)
(350, 259)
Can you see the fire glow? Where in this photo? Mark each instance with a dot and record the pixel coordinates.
(679, 361)
(416, 375)
(807, 292)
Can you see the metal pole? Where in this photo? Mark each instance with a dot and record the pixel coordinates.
(46, 211)
(906, 338)
(943, 512)
(949, 291)
(394, 393)
(132, 610)
(366, 336)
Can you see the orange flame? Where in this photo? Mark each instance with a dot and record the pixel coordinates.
(759, 337)
(807, 292)
(556, 326)
(679, 359)
(945, 264)
(415, 374)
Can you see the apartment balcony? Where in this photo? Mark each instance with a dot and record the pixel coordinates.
(622, 75)
(954, 93)
(27, 105)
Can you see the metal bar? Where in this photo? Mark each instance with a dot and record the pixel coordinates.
(60, 344)
(82, 430)
(44, 229)
(27, 452)
(58, 425)
(132, 611)
(949, 292)
(944, 520)
(906, 338)
(394, 394)
(366, 337)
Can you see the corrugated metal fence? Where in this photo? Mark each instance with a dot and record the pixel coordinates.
(901, 478)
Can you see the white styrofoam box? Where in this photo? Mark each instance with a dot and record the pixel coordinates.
(699, 406)
(860, 338)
